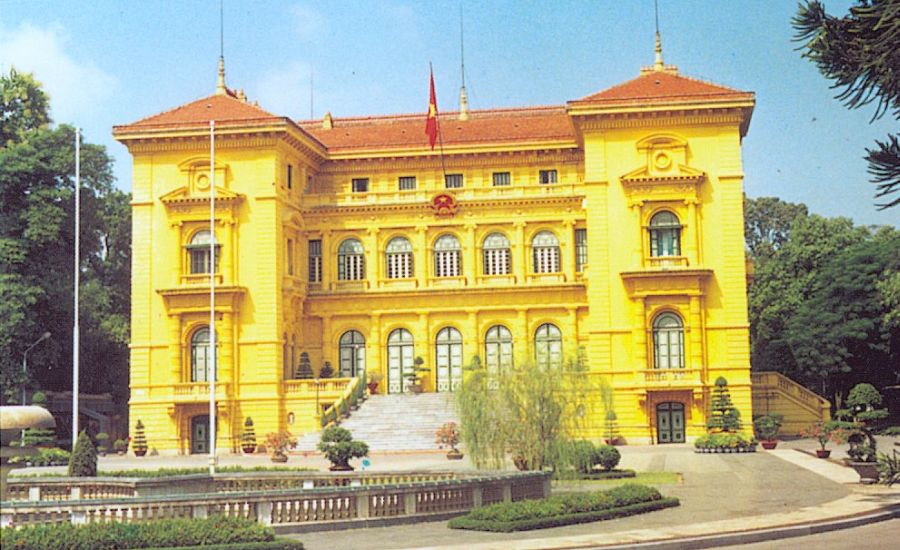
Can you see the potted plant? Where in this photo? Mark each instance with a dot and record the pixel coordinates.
(338, 446)
(139, 444)
(823, 433)
(120, 446)
(102, 440)
(414, 377)
(248, 437)
(374, 378)
(612, 437)
(326, 371)
(277, 443)
(862, 400)
(448, 436)
(767, 427)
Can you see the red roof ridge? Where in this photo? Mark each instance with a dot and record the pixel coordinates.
(477, 113)
(231, 96)
(631, 89)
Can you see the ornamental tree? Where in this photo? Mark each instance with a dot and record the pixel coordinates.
(723, 415)
(83, 462)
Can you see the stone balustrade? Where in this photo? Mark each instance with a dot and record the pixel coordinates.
(338, 501)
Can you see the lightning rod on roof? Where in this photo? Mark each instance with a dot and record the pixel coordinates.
(463, 99)
(220, 83)
(658, 65)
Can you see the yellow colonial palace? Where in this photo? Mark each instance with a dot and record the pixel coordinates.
(611, 224)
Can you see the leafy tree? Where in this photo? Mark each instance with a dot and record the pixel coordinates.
(36, 243)
(767, 224)
(23, 106)
(859, 53)
(838, 333)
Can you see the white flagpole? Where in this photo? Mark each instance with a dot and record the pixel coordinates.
(75, 331)
(211, 376)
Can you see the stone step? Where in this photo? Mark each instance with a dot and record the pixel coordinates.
(395, 422)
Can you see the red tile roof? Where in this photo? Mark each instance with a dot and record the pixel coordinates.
(483, 127)
(663, 86)
(221, 108)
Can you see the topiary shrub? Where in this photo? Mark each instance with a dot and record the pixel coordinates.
(338, 446)
(83, 462)
(305, 371)
(607, 457)
(139, 442)
(248, 437)
(326, 371)
(723, 415)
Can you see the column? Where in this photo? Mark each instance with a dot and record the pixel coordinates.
(570, 341)
(229, 257)
(178, 268)
(567, 250)
(520, 253)
(640, 336)
(471, 338)
(174, 349)
(693, 244)
(470, 258)
(423, 348)
(374, 349)
(373, 258)
(328, 261)
(637, 256)
(326, 343)
(696, 335)
(421, 258)
(224, 343)
(521, 337)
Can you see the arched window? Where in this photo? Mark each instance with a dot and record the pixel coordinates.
(447, 252)
(545, 246)
(668, 342)
(400, 359)
(351, 261)
(448, 357)
(548, 346)
(399, 258)
(352, 354)
(496, 254)
(201, 359)
(665, 235)
(198, 251)
(498, 350)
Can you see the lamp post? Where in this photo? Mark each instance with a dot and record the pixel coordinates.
(25, 360)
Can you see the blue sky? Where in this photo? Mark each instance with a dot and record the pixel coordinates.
(108, 62)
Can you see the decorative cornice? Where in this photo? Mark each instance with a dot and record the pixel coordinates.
(425, 207)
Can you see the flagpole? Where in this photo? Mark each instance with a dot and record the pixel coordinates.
(437, 122)
(75, 328)
(211, 374)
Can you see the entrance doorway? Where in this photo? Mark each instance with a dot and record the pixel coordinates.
(670, 423)
(200, 435)
(400, 360)
(449, 355)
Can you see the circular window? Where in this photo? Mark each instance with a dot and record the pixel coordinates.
(662, 160)
(202, 181)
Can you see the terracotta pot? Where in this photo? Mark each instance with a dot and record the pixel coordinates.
(769, 445)
(868, 471)
(341, 468)
(520, 463)
(823, 453)
(373, 387)
(140, 452)
(279, 457)
(454, 454)
(249, 450)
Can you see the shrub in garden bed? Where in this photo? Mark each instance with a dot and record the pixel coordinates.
(212, 532)
(725, 443)
(564, 509)
(609, 474)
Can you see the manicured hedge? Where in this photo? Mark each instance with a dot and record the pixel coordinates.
(164, 533)
(611, 474)
(277, 544)
(566, 509)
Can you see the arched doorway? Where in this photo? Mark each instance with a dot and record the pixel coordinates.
(400, 359)
(352, 354)
(200, 434)
(448, 358)
(670, 422)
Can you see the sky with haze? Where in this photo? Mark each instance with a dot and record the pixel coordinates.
(107, 62)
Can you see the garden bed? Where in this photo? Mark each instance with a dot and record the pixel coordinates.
(566, 509)
(609, 474)
(215, 532)
(725, 443)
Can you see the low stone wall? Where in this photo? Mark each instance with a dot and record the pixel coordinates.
(327, 506)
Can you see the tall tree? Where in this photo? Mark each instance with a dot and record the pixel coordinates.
(23, 106)
(767, 224)
(36, 244)
(860, 53)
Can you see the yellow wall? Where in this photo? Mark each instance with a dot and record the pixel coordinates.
(609, 184)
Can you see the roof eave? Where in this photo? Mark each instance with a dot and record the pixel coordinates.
(354, 153)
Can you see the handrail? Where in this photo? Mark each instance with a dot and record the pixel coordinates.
(349, 397)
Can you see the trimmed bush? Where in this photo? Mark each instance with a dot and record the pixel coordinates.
(212, 532)
(338, 446)
(248, 436)
(83, 462)
(139, 443)
(611, 474)
(326, 371)
(564, 509)
(607, 457)
(305, 371)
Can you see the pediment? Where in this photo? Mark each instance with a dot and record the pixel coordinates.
(183, 196)
(679, 172)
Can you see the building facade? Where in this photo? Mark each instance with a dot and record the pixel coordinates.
(610, 226)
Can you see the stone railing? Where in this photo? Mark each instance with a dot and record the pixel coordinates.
(328, 506)
(669, 377)
(326, 387)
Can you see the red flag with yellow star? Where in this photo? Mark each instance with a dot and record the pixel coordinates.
(431, 127)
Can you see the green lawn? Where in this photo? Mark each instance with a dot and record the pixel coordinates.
(644, 478)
